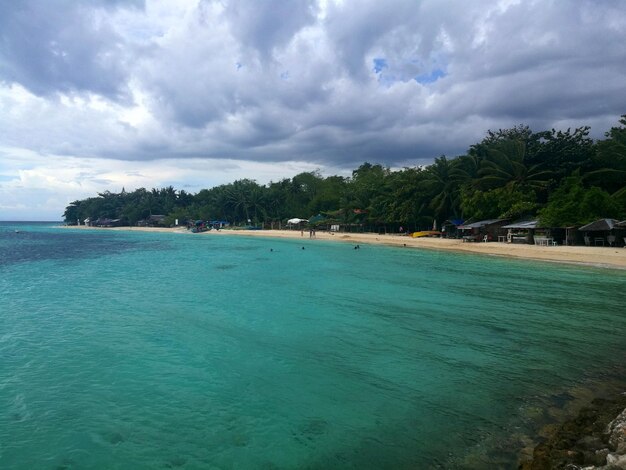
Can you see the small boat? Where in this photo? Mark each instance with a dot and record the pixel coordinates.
(426, 233)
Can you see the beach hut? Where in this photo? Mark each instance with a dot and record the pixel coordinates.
(450, 227)
(152, 221)
(600, 232)
(483, 230)
(522, 231)
(106, 222)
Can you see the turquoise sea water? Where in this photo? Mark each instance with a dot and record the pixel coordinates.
(146, 350)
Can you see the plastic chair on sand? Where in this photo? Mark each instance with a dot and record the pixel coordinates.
(486, 238)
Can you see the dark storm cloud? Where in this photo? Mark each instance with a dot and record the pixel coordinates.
(264, 25)
(322, 97)
(63, 46)
(330, 83)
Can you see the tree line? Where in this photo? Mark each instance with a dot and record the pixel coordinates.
(564, 178)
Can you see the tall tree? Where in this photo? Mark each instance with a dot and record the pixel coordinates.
(504, 165)
(367, 191)
(610, 161)
(572, 204)
(442, 182)
(409, 198)
(562, 152)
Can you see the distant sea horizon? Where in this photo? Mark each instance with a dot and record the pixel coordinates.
(137, 349)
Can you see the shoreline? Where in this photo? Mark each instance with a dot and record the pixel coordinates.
(592, 256)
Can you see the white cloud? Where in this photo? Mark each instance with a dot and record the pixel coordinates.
(39, 187)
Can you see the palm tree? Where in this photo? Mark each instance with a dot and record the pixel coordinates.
(503, 166)
(256, 202)
(236, 197)
(245, 197)
(442, 181)
(276, 199)
(611, 158)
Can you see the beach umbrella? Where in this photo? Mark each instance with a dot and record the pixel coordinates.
(601, 225)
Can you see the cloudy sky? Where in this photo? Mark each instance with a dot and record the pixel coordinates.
(105, 94)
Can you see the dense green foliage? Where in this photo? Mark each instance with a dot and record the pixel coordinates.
(564, 177)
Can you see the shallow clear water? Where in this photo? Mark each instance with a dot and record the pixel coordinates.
(141, 350)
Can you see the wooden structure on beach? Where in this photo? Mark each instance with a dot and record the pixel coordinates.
(483, 230)
(603, 232)
(155, 220)
(519, 232)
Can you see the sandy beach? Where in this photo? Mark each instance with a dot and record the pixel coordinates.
(599, 256)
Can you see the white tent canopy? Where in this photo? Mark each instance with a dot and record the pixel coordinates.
(296, 220)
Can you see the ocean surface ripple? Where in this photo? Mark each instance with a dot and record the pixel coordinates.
(141, 350)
